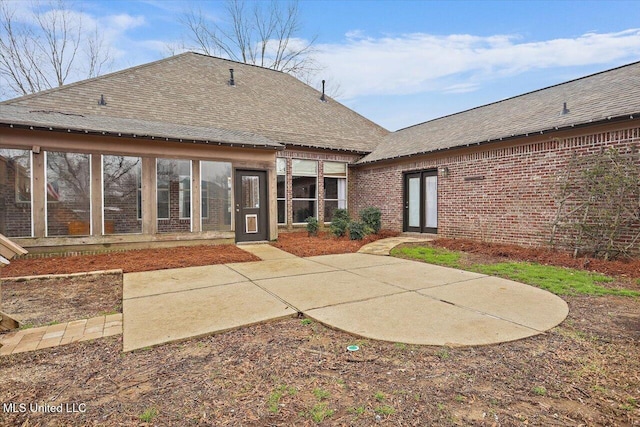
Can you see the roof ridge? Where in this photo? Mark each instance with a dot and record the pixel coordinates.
(520, 95)
(130, 69)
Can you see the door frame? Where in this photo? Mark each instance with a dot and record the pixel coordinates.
(421, 174)
(263, 211)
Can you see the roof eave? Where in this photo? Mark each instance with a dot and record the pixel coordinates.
(278, 147)
(592, 122)
(319, 147)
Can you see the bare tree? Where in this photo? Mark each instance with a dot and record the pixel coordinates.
(47, 47)
(260, 33)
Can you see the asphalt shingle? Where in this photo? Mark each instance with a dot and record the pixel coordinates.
(610, 94)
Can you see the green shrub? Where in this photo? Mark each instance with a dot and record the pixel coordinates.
(339, 222)
(339, 227)
(372, 218)
(312, 226)
(357, 230)
(341, 214)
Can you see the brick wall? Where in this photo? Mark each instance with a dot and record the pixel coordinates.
(498, 193)
(15, 217)
(174, 224)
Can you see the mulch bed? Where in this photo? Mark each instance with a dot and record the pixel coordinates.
(130, 261)
(625, 267)
(302, 245)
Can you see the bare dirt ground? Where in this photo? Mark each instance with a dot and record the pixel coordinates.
(44, 301)
(297, 372)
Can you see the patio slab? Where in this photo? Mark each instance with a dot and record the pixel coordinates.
(412, 275)
(324, 289)
(265, 251)
(147, 283)
(506, 299)
(191, 313)
(353, 261)
(412, 318)
(278, 268)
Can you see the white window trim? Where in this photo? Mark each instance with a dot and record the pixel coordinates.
(346, 189)
(293, 199)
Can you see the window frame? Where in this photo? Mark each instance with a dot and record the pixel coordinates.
(346, 187)
(294, 199)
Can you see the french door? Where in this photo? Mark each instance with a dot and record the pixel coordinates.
(421, 201)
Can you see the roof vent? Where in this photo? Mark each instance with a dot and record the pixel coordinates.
(565, 110)
(323, 98)
(102, 101)
(232, 82)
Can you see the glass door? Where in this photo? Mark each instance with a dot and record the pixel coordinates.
(421, 201)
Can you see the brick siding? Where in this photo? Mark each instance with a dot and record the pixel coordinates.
(510, 197)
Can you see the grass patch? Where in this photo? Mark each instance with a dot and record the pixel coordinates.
(148, 415)
(273, 402)
(380, 396)
(321, 394)
(539, 390)
(558, 280)
(384, 410)
(320, 412)
(438, 256)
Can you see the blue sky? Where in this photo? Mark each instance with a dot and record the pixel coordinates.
(399, 63)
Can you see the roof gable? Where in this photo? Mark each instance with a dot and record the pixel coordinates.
(193, 90)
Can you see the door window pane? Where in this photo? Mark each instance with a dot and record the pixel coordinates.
(431, 201)
(15, 193)
(281, 189)
(250, 192)
(68, 194)
(121, 180)
(215, 185)
(414, 202)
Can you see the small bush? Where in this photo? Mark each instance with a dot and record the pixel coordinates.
(339, 222)
(357, 230)
(312, 226)
(339, 227)
(341, 214)
(372, 218)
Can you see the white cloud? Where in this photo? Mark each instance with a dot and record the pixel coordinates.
(419, 62)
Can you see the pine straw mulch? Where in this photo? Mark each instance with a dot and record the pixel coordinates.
(130, 261)
(301, 244)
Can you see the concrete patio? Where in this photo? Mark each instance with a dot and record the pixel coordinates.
(373, 296)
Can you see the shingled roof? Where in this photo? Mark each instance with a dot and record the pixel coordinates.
(602, 97)
(193, 90)
(25, 118)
